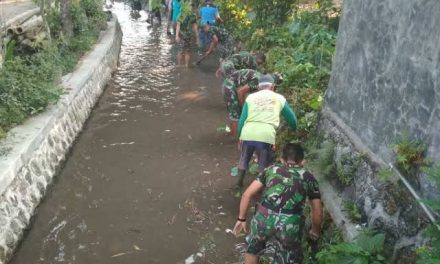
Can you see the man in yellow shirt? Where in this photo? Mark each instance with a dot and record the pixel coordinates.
(258, 123)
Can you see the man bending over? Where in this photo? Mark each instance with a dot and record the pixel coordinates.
(280, 216)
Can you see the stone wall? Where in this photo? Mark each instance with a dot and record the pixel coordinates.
(34, 151)
(385, 206)
(386, 74)
(385, 81)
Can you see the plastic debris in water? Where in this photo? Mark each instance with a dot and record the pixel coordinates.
(224, 128)
(192, 259)
(234, 171)
(121, 254)
(228, 231)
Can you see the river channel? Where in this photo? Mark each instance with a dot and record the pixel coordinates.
(147, 181)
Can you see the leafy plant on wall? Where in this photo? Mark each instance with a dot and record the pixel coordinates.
(430, 253)
(367, 248)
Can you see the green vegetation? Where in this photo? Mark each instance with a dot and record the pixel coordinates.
(30, 76)
(365, 249)
(385, 174)
(430, 253)
(299, 40)
(264, 260)
(352, 211)
(27, 86)
(325, 159)
(299, 44)
(410, 154)
(346, 167)
(331, 235)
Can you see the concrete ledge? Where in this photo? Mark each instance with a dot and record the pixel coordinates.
(333, 203)
(387, 207)
(36, 149)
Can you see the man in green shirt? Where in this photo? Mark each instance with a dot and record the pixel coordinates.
(259, 120)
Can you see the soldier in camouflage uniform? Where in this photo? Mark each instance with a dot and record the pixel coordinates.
(226, 68)
(226, 42)
(279, 216)
(154, 7)
(235, 88)
(186, 31)
(242, 60)
(212, 37)
(208, 38)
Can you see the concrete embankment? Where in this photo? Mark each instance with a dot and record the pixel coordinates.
(32, 152)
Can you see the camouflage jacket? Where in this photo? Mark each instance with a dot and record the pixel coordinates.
(227, 67)
(187, 19)
(222, 34)
(246, 76)
(244, 60)
(186, 26)
(287, 187)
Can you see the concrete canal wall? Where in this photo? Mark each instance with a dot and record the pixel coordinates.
(33, 152)
(385, 81)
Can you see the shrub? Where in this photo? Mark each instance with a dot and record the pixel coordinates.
(27, 86)
(269, 14)
(235, 12)
(430, 253)
(325, 161)
(29, 79)
(410, 153)
(364, 249)
(352, 211)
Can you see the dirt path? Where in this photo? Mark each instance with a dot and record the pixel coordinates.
(148, 180)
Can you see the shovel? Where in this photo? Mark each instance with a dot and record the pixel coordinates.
(202, 58)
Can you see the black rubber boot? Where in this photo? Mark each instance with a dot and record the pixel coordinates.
(241, 174)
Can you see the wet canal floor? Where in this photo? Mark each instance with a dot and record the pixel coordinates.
(148, 179)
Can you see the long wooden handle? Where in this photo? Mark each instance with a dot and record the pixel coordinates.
(202, 58)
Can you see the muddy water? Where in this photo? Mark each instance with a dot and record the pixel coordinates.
(147, 180)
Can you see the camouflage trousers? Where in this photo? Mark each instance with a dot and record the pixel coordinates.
(185, 44)
(285, 232)
(226, 48)
(231, 100)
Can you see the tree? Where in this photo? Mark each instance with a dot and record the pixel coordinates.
(274, 12)
(66, 17)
